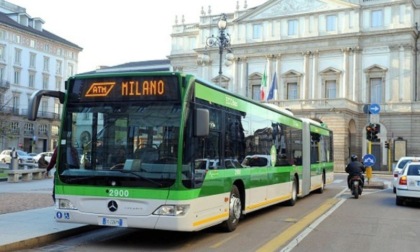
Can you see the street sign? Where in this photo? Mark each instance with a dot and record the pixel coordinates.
(369, 160)
(374, 108)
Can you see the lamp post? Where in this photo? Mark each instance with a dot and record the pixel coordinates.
(223, 42)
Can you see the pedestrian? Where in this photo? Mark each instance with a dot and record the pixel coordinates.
(42, 163)
(49, 168)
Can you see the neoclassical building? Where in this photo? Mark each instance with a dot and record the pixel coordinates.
(332, 60)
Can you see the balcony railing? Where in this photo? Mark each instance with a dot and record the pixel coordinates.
(43, 114)
(4, 84)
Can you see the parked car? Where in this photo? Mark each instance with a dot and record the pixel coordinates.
(206, 164)
(23, 157)
(398, 168)
(47, 154)
(408, 186)
(256, 160)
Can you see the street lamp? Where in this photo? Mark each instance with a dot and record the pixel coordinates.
(223, 42)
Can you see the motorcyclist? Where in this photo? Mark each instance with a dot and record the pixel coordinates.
(355, 168)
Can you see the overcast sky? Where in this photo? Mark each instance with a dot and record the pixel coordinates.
(117, 32)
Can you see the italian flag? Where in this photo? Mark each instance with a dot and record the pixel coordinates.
(263, 86)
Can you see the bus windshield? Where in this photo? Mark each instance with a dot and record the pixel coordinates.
(120, 143)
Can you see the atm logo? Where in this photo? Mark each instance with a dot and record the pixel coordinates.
(100, 89)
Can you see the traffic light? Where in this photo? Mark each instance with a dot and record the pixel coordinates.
(387, 145)
(372, 131)
(376, 129)
(369, 132)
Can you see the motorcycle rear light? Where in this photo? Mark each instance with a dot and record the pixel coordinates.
(403, 180)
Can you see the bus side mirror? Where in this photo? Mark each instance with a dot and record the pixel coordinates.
(201, 122)
(36, 99)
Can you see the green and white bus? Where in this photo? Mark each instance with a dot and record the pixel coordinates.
(168, 151)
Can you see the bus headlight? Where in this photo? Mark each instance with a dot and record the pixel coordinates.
(66, 204)
(172, 210)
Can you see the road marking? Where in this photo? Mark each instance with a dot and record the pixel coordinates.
(217, 245)
(309, 222)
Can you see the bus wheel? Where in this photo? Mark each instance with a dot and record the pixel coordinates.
(292, 201)
(235, 210)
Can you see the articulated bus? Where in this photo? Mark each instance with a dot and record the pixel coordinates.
(168, 151)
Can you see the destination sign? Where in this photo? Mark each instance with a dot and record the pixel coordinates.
(126, 88)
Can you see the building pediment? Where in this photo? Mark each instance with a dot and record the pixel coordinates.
(375, 69)
(291, 74)
(282, 8)
(330, 71)
(255, 76)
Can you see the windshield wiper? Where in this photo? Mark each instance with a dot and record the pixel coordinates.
(73, 179)
(142, 177)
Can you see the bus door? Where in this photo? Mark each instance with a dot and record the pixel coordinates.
(306, 162)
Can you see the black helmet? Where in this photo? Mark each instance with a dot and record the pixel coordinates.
(353, 157)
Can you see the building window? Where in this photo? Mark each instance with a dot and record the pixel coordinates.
(28, 128)
(70, 69)
(32, 43)
(44, 106)
(331, 89)
(15, 104)
(2, 51)
(54, 130)
(377, 18)
(256, 92)
(32, 60)
(57, 83)
(191, 43)
(17, 39)
(292, 91)
(46, 64)
(292, 27)
(257, 31)
(331, 23)
(2, 75)
(376, 90)
(59, 65)
(43, 129)
(45, 81)
(16, 79)
(18, 54)
(31, 79)
(14, 127)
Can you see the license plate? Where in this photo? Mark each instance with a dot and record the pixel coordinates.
(114, 222)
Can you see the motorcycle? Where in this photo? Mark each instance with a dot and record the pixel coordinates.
(356, 186)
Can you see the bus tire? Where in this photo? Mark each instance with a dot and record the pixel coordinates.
(235, 210)
(292, 200)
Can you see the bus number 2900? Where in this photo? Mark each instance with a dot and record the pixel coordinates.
(118, 193)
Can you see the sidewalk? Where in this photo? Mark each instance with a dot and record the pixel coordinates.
(33, 227)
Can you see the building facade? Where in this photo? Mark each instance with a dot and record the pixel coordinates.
(31, 59)
(331, 60)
